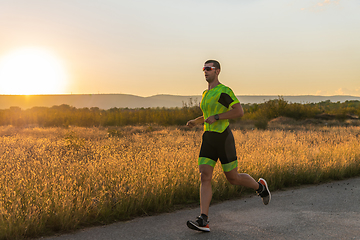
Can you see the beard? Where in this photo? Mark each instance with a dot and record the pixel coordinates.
(209, 79)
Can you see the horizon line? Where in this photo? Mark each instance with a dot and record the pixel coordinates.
(168, 94)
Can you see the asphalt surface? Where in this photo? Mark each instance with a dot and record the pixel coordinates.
(326, 211)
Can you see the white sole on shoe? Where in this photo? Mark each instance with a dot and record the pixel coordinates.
(193, 226)
(267, 199)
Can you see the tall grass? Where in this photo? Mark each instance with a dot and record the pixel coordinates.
(60, 179)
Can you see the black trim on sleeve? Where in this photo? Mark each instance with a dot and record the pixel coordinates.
(225, 100)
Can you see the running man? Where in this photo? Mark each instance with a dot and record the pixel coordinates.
(219, 104)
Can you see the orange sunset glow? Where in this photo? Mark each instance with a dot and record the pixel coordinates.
(144, 48)
(32, 71)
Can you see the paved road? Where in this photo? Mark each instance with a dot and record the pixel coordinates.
(327, 211)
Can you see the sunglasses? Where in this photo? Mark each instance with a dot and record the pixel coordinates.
(208, 68)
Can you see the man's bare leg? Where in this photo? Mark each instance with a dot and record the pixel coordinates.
(246, 180)
(242, 179)
(206, 172)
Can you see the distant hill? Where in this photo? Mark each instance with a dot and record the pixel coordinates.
(107, 101)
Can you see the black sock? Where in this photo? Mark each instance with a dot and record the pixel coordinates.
(261, 188)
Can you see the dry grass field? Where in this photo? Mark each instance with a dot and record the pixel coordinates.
(55, 179)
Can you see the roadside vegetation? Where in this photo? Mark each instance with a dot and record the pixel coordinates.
(65, 115)
(60, 179)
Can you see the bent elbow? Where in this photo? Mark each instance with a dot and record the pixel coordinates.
(240, 113)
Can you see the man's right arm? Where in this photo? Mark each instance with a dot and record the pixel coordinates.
(196, 121)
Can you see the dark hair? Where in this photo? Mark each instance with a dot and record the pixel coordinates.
(214, 62)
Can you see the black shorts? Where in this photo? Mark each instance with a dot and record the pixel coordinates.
(218, 146)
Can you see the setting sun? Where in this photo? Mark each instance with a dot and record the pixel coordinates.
(30, 71)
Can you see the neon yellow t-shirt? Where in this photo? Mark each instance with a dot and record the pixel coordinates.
(215, 101)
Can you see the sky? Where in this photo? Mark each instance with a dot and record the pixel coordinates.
(149, 47)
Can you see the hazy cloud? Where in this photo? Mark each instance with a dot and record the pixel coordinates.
(319, 6)
(345, 91)
(341, 91)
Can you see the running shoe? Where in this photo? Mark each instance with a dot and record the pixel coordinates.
(265, 193)
(200, 224)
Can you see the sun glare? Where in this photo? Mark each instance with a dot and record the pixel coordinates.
(29, 71)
